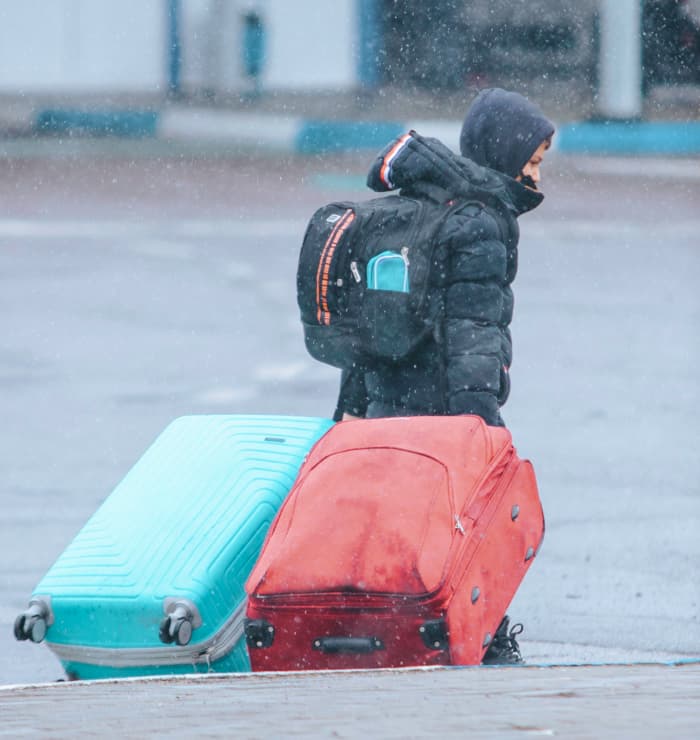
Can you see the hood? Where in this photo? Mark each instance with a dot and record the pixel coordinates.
(502, 130)
(412, 163)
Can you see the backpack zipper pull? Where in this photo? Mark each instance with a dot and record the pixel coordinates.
(458, 525)
(404, 255)
(355, 272)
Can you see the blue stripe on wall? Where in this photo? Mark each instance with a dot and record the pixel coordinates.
(370, 42)
(635, 137)
(316, 137)
(174, 48)
(97, 123)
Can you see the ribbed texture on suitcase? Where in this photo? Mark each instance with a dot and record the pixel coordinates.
(187, 521)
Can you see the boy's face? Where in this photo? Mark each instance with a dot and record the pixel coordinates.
(530, 175)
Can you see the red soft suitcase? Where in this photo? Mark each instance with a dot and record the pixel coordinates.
(401, 543)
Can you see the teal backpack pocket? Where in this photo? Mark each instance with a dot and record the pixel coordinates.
(388, 271)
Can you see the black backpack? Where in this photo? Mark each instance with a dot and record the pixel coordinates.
(363, 284)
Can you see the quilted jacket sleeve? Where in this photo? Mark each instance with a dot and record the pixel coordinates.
(477, 311)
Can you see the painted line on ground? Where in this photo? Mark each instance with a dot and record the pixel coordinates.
(111, 229)
(108, 230)
(311, 674)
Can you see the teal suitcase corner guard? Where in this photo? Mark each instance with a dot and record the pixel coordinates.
(154, 583)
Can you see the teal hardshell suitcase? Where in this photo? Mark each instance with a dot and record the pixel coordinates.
(154, 582)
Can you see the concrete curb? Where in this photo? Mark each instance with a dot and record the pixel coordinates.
(292, 134)
(248, 131)
(646, 701)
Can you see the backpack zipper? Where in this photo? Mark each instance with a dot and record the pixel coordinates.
(323, 280)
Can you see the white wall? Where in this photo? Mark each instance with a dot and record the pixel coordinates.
(103, 46)
(310, 44)
(49, 46)
(211, 45)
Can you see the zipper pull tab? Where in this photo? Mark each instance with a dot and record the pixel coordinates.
(404, 255)
(458, 525)
(355, 272)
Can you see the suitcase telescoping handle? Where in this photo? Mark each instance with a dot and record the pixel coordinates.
(348, 644)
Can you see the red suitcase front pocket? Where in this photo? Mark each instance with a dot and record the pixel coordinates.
(394, 538)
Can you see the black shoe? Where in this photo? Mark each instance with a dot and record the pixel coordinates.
(504, 649)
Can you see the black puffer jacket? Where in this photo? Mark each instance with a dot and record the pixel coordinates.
(463, 368)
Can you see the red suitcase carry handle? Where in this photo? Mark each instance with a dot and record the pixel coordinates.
(353, 645)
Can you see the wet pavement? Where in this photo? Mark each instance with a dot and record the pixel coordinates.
(137, 289)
